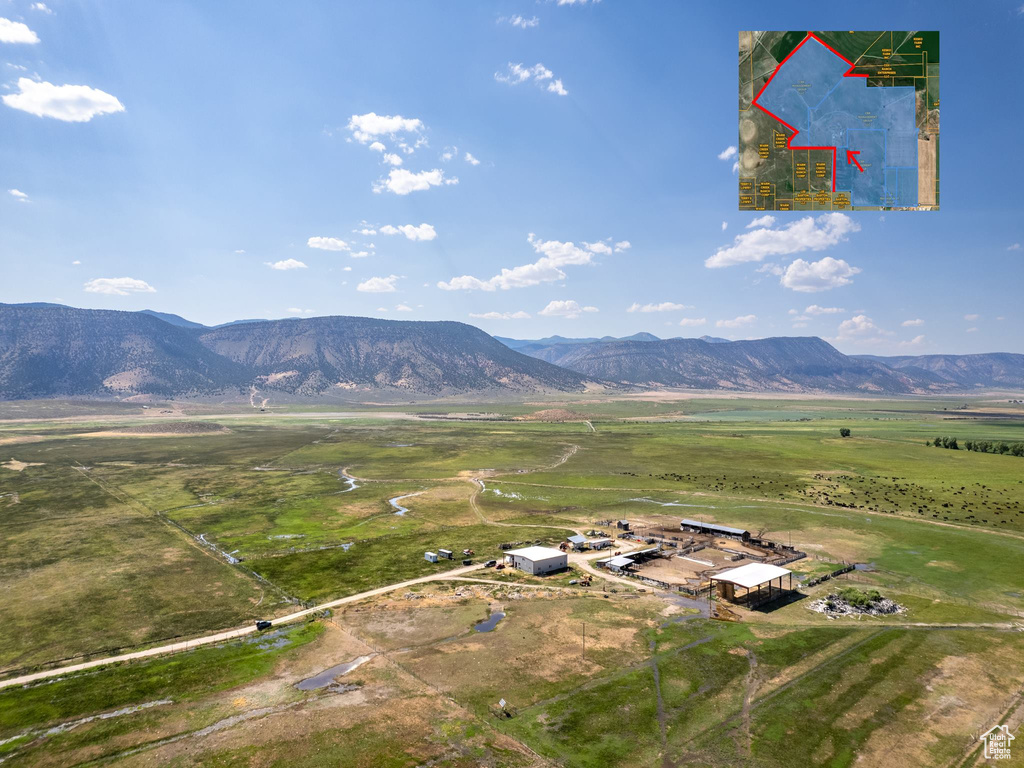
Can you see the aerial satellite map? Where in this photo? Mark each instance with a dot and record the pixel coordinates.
(838, 121)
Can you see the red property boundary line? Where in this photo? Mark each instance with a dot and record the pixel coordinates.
(789, 142)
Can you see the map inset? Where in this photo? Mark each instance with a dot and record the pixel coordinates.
(838, 121)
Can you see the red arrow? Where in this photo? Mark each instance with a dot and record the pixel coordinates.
(851, 159)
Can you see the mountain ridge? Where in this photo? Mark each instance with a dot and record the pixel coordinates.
(49, 350)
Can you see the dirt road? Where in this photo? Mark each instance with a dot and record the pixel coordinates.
(231, 634)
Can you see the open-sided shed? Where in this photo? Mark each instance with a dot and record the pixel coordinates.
(752, 578)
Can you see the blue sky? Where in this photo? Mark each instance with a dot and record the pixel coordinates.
(209, 146)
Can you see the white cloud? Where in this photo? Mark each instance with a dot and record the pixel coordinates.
(346, 269)
(42, 8)
(821, 275)
(568, 309)
(912, 323)
(727, 153)
(693, 322)
(17, 193)
(800, 323)
(665, 306)
(861, 329)
(736, 167)
(520, 21)
(118, 286)
(520, 315)
(298, 311)
(599, 247)
(328, 244)
(377, 147)
(16, 32)
(70, 103)
(762, 221)
(403, 308)
(471, 160)
(402, 182)
(623, 245)
(366, 231)
(814, 310)
(379, 284)
(971, 318)
(554, 256)
(286, 264)
(449, 153)
(359, 255)
(366, 128)
(725, 225)
(392, 159)
(239, 250)
(972, 330)
(737, 322)
(1014, 247)
(557, 87)
(75, 263)
(914, 342)
(804, 234)
(422, 232)
(577, 2)
(538, 73)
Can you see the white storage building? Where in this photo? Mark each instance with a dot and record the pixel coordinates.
(537, 560)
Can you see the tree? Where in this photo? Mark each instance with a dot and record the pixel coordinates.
(844, 431)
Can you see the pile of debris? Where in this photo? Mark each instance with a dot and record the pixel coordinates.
(848, 601)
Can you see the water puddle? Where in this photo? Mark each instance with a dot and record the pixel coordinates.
(327, 677)
(399, 509)
(491, 623)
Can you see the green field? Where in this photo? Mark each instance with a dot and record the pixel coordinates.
(117, 540)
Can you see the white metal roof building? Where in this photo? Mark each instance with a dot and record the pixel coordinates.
(753, 576)
(537, 560)
(723, 530)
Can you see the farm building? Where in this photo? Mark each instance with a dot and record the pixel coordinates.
(696, 526)
(430, 557)
(537, 560)
(622, 525)
(753, 578)
(620, 563)
(599, 543)
(577, 542)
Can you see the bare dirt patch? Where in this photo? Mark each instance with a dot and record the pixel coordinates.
(17, 466)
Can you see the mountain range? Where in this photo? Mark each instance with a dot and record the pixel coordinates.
(49, 350)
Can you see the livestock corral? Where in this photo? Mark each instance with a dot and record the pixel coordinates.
(687, 554)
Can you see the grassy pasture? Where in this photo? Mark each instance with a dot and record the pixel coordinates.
(90, 561)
